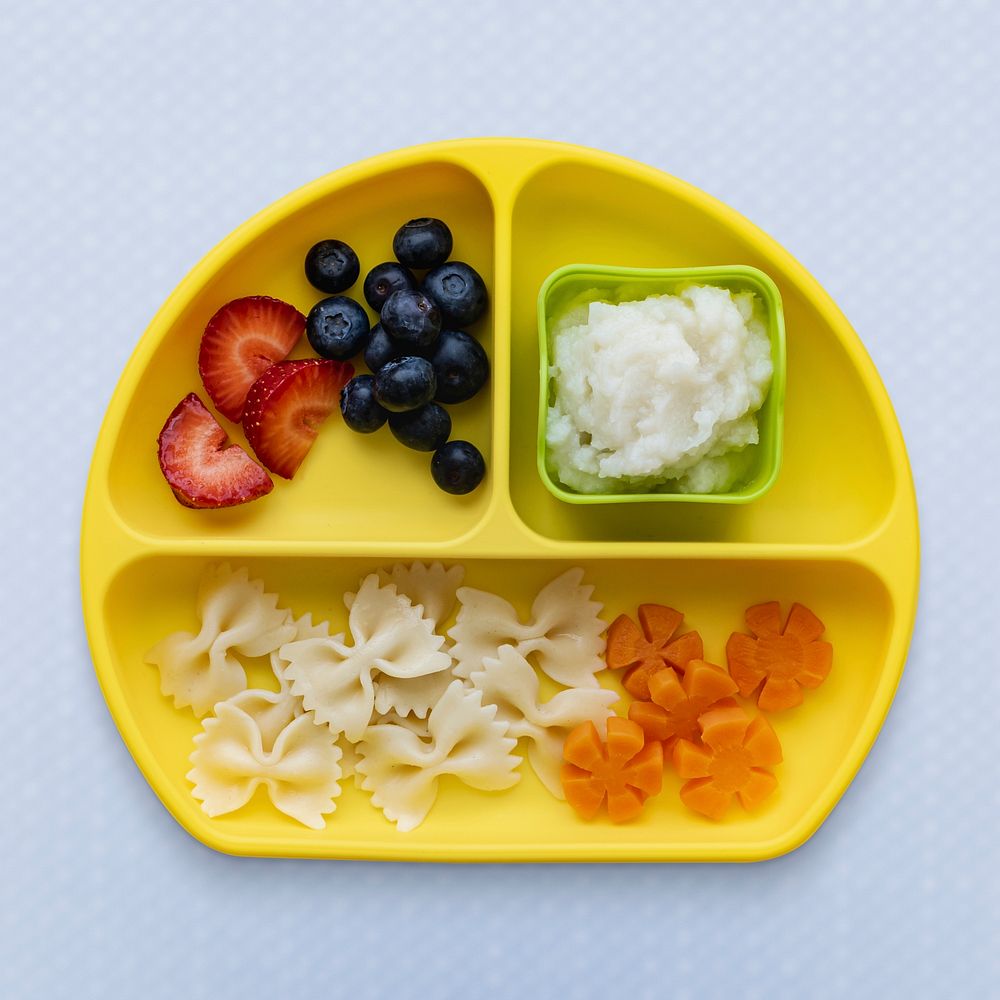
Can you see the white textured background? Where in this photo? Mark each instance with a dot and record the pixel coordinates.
(864, 136)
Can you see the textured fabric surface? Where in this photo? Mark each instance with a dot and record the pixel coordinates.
(861, 135)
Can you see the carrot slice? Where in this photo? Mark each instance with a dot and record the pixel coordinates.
(683, 650)
(643, 652)
(803, 625)
(691, 760)
(764, 619)
(759, 786)
(625, 804)
(659, 622)
(781, 662)
(625, 770)
(762, 743)
(779, 693)
(676, 705)
(655, 721)
(733, 760)
(583, 792)
(583, 747)
(704, 796)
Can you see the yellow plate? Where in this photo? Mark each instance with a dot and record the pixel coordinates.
(838, 531)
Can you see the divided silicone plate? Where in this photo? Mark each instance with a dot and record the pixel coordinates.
(837, 532)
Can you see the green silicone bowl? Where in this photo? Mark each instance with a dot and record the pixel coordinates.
(577, 284)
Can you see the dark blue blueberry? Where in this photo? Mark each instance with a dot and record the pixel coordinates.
(458, 467)
(461, 366)
(380, 349)
(361, 410)
(425, 429)
(422, 243)
(332, 266)
(338, 328)
(459, 292)
(412, 320)
(384, 279)
(405, 384)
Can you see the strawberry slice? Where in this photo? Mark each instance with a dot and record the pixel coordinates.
(286, 406)
(242, 340)
(203, 467)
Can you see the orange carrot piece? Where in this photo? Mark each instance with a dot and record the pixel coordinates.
(675, 705)
(731, 762)
(626, 644)
(779, 661)
(764, 619)
(643, 652)
(758, 787)
(659, 622)
(625, 740)
(625, 770)
(583, 747)
(683, 650)
(704, 796)
(583, 792)
(803, 625)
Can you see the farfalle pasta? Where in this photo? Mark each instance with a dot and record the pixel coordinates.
(433, 587)
(232, 758)
(564, 631)
(510, 682)
(465, 739)
(237, 617)
(390, 638)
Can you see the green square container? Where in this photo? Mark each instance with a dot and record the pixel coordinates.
(578, 284)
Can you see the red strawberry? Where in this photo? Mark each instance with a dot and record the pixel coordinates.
(286, 406)
(203, 467)
(242, 340)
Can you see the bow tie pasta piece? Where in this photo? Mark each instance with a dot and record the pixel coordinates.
(236, 617)
(391, 637)
(510, 682)
(301, 772)
(411, 695)
(432, 587)
(564, 630)
(304, 629)
(272, 711)
(401, 770)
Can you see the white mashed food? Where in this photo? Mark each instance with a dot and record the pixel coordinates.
(658, 395)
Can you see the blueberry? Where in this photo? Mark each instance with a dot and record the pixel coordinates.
(337, 328)
(422, 243)
(425, 429)
(380, 349)
(384, 279)
(459, 292)
(332, 266)
(411, 319)
(405, 384)
(458, 467)
(461, 366)
(361, 410)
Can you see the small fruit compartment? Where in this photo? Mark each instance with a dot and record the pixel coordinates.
(836, 482)
(349, 484)
(155, 596)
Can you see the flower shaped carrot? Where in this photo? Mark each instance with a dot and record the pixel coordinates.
(786, 660)
(625, 771)
(651, 649)
(677, 703)
(733, 759)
